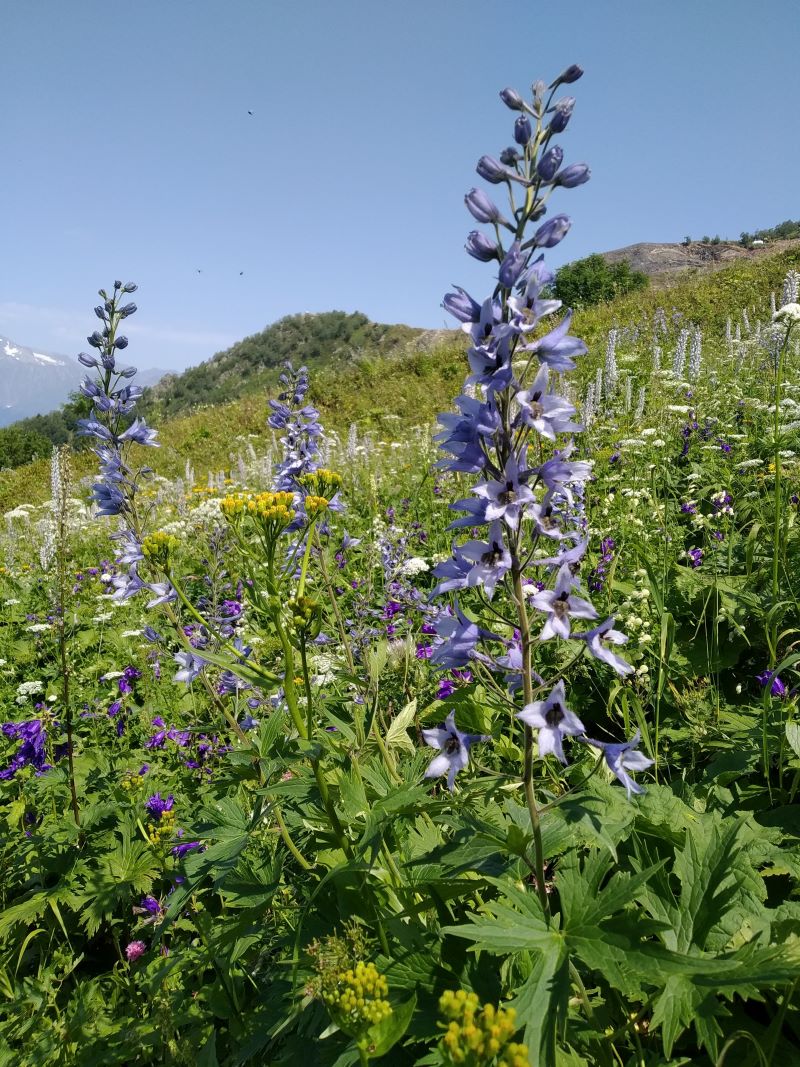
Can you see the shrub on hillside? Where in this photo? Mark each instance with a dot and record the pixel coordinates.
(594, 281)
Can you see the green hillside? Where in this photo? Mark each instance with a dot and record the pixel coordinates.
(376, 376)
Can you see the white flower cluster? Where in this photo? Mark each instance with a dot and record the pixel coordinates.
(27, 690)
(414, 566)
(788, 315)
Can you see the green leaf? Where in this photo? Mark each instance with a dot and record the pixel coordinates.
(397, 736)
(793, 736)
(674, 1009)
(383, 1037)
(541, 1002)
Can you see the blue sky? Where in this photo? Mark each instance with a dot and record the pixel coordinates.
(128, 150)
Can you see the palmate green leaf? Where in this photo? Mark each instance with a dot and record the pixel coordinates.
(541, 1002)
(32, 908)
(674, 1009)
(129, 870)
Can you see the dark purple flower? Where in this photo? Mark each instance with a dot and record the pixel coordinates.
(776, 687)
(511, 99)
(156, 805)
(550, 162)
(187, 846)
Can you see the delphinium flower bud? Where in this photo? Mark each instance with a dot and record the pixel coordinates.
(522, 130)
(480, 247)
(491, 170)
(552, 231)
(510, 157)
(481, 207)
(512, 266)
(512, 99)
(562, 112)
(574, 174)
(550, 162)
(568, 76)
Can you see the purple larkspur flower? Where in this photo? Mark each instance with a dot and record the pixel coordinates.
(621, 758)
(453, 746)
(561, 605)
(31, 751)
(554, 721)
(597, 641)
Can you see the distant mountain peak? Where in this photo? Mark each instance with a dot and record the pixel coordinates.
(33, 382)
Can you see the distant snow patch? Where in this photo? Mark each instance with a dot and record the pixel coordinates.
(48, 359)
(11, 350)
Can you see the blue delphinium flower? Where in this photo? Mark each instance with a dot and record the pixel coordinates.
(621, 758)
(301, 429)
(554, 721)
(512, 430)
(31, 751)
(453, 748)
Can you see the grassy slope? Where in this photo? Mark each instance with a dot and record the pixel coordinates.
(373, 392)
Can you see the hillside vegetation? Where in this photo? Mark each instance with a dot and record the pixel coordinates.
(388, 385)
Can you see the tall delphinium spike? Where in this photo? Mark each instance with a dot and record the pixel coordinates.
(598, 385)
(746, 322)
(514, 436)
(728, 332)
(628, 393)
(640, 402)
(772, 304)
(656, 359)
(110, 424)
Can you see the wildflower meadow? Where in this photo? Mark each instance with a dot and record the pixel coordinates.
(473, 743)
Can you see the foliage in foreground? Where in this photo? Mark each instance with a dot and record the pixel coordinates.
(221, 845)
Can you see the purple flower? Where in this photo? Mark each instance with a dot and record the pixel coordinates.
(507, 497)
(549, 163)
(562, 112)
(695, 557)
(573, 175)
(453, 748)
(776, 687)
(31, 751)
(150, 905)
(545, 412)
(554, 721)
(597, 641)
(482, 209)
(560, 606)
(156, 805)
(552, 231)
(481, 248)
(190, 666)
(622, 758)
(180, 851)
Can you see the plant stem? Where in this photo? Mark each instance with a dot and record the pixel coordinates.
(527, 689)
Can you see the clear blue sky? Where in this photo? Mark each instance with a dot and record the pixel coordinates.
(128, 150)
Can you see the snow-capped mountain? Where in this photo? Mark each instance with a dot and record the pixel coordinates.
(33, 382)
